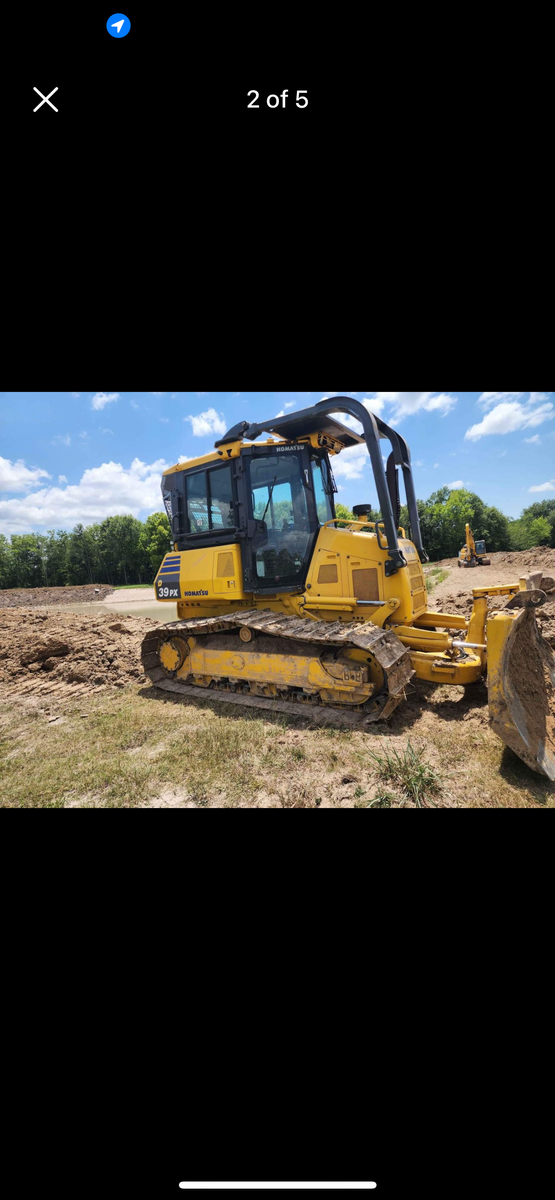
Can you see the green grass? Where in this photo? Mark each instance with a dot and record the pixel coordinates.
(125, 587)
(434, 576)
(417, 780)
(140, 747)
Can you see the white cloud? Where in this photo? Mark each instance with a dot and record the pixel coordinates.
(419, 463)
(207, 422)
(105, 491)
(281, 414)
(406, 404)
(133, 404)
(509, 416)
(107, 431)
(535, 397)
(488, 398)
(83, 434)
(454, 487)
(436, 465)
(76, 394)
(16, 477)
(158, 393)
(61, 439)
(62, 479)
(544, 487)
(533, 441)
(288, 403)
(101, 399)
(351, 462)
(184, 458)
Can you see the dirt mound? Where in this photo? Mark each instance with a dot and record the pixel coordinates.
(68, 652)
(460, 603)
(539, 557)
(37, 597)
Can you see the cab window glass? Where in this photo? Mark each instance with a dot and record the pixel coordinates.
(210, 500)
(221, 499)
(197, 502)
(322, 488)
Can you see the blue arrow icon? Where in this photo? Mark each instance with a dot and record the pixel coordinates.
(118, 25)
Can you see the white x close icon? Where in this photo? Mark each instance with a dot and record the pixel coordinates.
(45, 99)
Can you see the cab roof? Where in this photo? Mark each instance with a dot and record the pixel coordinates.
(292, 426)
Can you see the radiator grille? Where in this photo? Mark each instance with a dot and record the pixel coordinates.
(417, 586)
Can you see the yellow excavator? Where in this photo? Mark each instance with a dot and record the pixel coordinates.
(281, 603)
(473, 554)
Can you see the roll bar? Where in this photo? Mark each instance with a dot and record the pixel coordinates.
(293, 425)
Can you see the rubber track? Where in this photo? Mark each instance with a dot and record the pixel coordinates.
(384, 645)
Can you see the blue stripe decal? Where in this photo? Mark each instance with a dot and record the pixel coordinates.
(170, 571)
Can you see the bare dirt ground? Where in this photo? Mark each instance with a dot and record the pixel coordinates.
(72, 691)
(39, 597)
(454, 594)
(48, 653)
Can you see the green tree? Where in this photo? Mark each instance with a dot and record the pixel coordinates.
(155, 541)
(7, 564)
(28, 560)
(57, 546)
(344, 513)
(540, 531)
(495, 530)
(80, 559)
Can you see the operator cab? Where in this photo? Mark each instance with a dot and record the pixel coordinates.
(480, 547)
(272, 499)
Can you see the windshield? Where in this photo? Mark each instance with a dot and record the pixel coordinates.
(279, 498)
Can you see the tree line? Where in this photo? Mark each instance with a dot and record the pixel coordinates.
(444, 515)
(124, 550)
(120, 550)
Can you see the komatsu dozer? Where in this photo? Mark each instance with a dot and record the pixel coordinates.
(281, 603)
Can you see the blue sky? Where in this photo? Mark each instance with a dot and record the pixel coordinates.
(81, 456)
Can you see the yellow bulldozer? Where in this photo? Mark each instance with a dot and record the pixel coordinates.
(282, 604)
(473, 554)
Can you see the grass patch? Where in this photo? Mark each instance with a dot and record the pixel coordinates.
(417, 780)
(126, 587)
(138, 747)
(434, 576)
(382, 800)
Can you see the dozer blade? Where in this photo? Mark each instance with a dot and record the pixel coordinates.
(521, 687)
